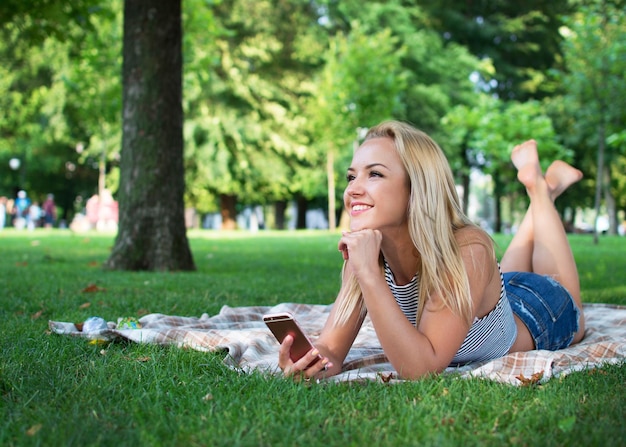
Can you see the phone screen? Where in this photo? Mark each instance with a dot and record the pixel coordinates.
(284, 324)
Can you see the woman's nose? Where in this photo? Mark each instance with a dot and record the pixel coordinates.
(354, 188)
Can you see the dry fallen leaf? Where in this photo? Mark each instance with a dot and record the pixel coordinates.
(532, 380)
(447, 421)
(36, 315)
(93, 288)
(32, 431)
(84, 305)
(385, 377)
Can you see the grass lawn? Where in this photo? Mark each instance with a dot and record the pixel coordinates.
(62, 391)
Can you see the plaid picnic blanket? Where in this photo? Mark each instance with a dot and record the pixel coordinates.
(241, 332)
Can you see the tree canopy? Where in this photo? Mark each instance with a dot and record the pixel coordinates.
(272, 88)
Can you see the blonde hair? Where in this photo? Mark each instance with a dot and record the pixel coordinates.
(434, 215)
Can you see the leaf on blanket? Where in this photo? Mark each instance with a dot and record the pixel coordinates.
(91, 288)
(532, 380)
(386, 378)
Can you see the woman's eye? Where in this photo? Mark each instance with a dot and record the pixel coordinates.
(350, 177)
(375, 174)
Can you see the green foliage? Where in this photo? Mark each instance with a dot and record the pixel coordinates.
(349, 96)
(270, 86)
(244, 89)
(57, 390)
(521, 39)
(482, 137)
(50, 97)
(595, 56)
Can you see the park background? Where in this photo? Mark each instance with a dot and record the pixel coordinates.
(275, 95)
(241, 105)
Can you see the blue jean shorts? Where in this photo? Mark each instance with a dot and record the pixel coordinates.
(546, 308)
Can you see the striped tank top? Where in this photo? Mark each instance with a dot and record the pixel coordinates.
(489, 337)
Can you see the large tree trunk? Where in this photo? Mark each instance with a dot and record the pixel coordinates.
(303, 206)
(152, 233)
(330, 174)
(609, 201)
(280, 208)
(599, 179)
(465, 183)
(228, 210)
(497, 192)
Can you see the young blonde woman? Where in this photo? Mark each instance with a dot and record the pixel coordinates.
(428, 278)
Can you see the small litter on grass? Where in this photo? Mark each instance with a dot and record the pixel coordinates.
(128, 323)
(94, 325)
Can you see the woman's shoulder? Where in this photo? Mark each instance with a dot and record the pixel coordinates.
(473, 234)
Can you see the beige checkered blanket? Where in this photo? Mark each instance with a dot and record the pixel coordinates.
(241, 332)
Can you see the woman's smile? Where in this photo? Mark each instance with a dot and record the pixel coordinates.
(377, 180)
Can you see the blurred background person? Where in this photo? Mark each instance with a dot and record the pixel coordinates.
(34, 216)
(49, 211)
(3, 212)
(20, 209)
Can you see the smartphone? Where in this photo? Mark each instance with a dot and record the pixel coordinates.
(283, 324)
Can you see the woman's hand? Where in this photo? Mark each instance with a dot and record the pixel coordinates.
(301, 370)
(362, 248)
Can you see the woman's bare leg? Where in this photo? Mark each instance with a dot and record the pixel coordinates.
(518, 255)
(546, 251)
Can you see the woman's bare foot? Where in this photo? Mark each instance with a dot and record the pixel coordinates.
(560, 176)
(525, 158)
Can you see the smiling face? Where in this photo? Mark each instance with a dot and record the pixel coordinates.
(377, 194)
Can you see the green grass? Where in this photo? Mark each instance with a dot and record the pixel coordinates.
(57, 390)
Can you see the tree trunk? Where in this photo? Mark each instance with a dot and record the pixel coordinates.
(330, 174)
(228, 209)
(280, 208)
(465, 177)
(609, 200)
(152, 233)
(497, 192)
(599, 180)
(465, 182)
(303, 205)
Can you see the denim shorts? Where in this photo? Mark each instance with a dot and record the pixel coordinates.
(546, 308)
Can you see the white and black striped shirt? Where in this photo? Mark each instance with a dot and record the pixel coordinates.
(489, 337)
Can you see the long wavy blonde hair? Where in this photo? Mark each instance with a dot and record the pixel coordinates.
(434, 215)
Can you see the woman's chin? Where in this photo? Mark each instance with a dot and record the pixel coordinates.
(358, 227)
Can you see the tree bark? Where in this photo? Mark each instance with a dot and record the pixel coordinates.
(152, 233)
(610, 203)
(330, 174)
(228, 210)
(303, 206)
(599, 178)
(280, 208)
(497, 192)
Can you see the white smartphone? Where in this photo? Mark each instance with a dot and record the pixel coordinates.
(283, 324)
